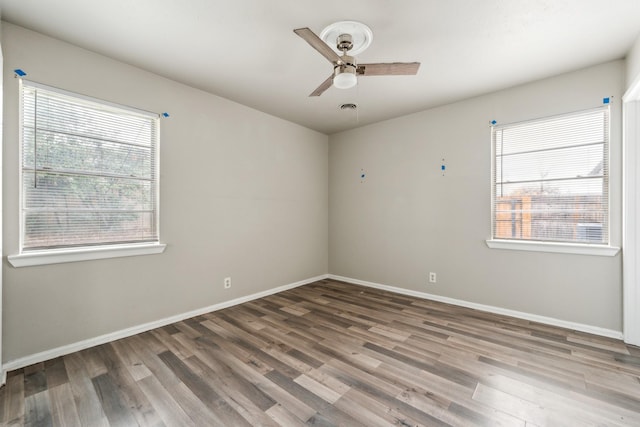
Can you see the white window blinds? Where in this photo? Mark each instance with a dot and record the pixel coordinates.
(551, 179)
(89, 171)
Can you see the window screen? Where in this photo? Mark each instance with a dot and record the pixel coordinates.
(551, 179)
(89, 171)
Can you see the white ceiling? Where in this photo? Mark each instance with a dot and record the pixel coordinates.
(246, 51)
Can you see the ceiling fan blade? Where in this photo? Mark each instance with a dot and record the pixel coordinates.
(388, 69)
(317, 43)
(323, 86)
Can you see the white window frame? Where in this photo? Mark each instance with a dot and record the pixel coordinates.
(83, 253)
(546, 246)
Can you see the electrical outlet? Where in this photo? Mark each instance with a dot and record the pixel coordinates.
(432, 277)
(227, 282)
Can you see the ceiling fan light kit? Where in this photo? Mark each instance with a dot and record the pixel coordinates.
(349, 37)
(345, 80)
(345, 76)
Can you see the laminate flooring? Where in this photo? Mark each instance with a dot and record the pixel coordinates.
(332, 353)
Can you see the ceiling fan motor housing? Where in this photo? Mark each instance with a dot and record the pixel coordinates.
(344, 68)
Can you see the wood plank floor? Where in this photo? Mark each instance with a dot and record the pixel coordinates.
(332, 353)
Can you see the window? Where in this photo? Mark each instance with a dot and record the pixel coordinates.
(551, 179)
(89, 172)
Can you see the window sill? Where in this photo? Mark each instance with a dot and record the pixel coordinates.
(564, 248)
(57, 256)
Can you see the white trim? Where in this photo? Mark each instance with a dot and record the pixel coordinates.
(554, 247)
(124, 333)
(571, 247)
(57, 256)
(3, 372)
(630, 215)
(488, 308)
(94, 104)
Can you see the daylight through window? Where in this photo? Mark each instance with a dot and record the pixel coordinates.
(89, 171)
(551, 179)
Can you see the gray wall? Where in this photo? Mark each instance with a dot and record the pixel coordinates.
(243, 194)
(247, 195)
(405, 219)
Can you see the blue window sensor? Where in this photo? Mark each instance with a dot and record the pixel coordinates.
(165, 114)
(605, 100)
(19, 72)
(443, 167)
(493, 122)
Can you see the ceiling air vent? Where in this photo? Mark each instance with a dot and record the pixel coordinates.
(348, 106)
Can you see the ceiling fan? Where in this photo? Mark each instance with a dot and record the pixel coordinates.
(350, 37)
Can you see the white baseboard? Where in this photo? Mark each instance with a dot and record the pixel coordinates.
(124, 333)
(102, 339)
(610, 333)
